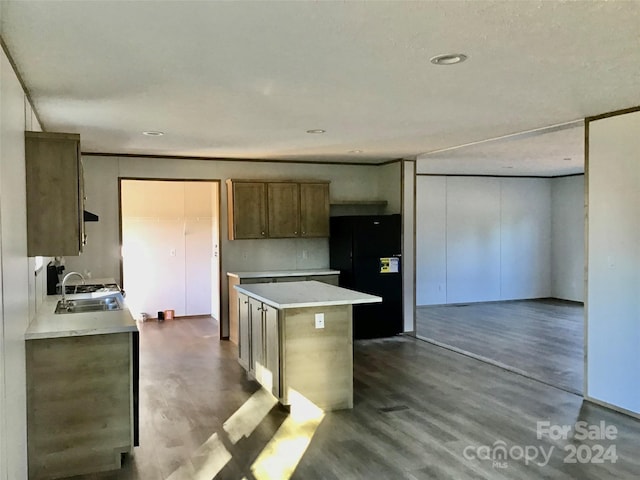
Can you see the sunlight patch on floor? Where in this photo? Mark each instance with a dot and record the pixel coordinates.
(279, 459)
(205, 463)
(245, 420)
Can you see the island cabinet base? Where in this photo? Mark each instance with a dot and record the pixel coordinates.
(317, 363)
(296, 340)
(80, 403)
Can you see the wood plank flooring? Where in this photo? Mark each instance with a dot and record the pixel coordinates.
(542, 339)
(418, 409)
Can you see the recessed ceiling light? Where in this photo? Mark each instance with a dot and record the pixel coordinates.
(448, 59)
(567, 159)
(153, 133)
(316, 130)
(355, 151)
(508, 166)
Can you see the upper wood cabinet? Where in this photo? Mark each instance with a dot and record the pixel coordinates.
(247, 209)
(283, 203)
(314, 209)
(277, 209)
(55, 194)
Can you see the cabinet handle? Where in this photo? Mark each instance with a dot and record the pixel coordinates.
(262, 233)
(259, 309)
(245, 302)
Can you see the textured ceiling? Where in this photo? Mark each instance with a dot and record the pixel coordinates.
(547, 152)
(247, 79)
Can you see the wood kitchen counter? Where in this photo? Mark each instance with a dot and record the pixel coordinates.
(296, 339)
(82, 390)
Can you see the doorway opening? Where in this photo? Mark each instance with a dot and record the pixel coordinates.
(170, 246)
(499, 272)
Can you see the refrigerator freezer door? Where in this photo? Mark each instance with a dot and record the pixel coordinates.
(364, 248)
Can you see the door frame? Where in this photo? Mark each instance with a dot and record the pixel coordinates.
(218, 213)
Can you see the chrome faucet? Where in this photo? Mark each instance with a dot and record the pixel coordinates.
(64, 285)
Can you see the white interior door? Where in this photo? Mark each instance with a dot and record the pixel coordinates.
(154, 264)
(199, 254)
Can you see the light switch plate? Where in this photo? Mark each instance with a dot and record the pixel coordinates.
(319, 320)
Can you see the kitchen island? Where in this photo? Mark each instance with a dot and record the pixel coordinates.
(295, 338)
(82, 388)
(324, 275)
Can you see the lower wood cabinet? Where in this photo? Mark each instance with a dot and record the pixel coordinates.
(258, 349)
(242, 308)
(82, 403)
(264, 354)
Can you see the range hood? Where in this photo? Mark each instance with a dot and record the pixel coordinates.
(90, 217)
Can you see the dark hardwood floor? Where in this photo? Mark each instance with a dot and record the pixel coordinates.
(421, 412)
(542, 339)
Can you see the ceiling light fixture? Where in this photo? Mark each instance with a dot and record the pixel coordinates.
(316, 130)
(355, 151)
(567, 159)
(153, 133)
(448, 59)
(508, 166)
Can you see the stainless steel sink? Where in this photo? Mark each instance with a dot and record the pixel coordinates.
(83, 305)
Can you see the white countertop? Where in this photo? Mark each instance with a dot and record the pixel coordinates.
(284, 273)
(48, 324)
(304, 294)
(75, 280)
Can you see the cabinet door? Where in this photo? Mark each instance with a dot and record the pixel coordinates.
(55, 197)
(82, 238)
(330, 279)
(256, 360)
(271, 374)
(284, 209)
(244, 333)
(314, 209)
(290, 279)
(247, 210)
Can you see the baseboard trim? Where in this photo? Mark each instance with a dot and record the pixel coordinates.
(610, 406)
(458, 304)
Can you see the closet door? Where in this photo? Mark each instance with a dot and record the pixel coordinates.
(198, 247)
(198, 257)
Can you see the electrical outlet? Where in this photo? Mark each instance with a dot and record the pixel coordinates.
(319, 320)
(172, 252)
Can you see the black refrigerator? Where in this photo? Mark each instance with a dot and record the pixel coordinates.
(367, 250)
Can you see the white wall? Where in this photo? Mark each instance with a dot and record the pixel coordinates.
(473, 239)
(102, 255)
(431, 240)
(613, 286)
(482, 239)
(525, 238)
(567, 238)
(20, 290)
